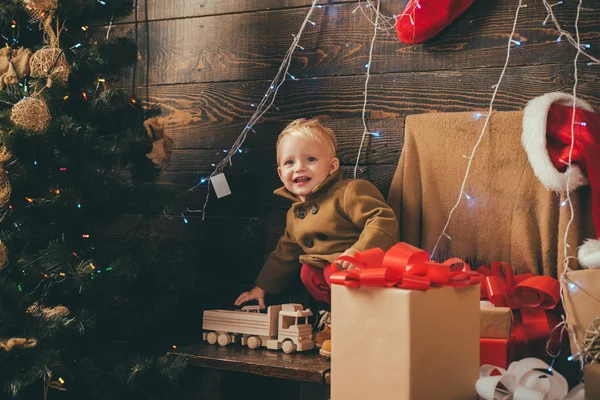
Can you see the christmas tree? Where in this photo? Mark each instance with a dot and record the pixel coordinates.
(81, 290)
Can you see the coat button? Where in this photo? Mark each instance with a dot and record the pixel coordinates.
(300, 212)
(315, 209)
(308, 242)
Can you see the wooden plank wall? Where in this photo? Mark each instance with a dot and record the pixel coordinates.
(206, 61)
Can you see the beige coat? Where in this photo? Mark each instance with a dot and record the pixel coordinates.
(336, 216)
(509, 215)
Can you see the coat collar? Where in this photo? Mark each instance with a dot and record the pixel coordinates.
(317, 190)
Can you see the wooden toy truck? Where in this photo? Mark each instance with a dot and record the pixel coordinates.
(280, 327)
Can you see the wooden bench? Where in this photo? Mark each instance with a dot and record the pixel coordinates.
(235, 372)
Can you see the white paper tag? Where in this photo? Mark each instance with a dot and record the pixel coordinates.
(220, 184)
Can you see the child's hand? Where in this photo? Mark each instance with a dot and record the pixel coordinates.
(255, 293)
(342, 264)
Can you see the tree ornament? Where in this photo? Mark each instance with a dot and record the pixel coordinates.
(18, 343)
(591, 343)
(50, 62)
(14, 65)
(37, 310)
(31, 113)
(3, 255)
(423, 19)
(162, 145)
(5, 189)
(39, 9)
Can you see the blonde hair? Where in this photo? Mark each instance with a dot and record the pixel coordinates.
(310, 129)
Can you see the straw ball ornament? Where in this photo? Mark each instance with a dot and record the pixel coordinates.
(50, 62)
(591, 342)
(31, 113)
(38, 9)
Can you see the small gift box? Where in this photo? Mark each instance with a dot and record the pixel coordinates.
(496, 322)
(420, 342)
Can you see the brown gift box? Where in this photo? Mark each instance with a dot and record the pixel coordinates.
(390, 343)
(592, 381)
(496, 322)
(581, 291)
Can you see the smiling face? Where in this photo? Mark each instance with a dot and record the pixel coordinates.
(304, 163)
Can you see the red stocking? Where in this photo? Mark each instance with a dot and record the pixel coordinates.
(423, 19)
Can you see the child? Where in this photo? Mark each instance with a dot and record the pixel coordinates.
(329, 217)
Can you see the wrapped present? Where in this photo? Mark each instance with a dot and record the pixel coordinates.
(581, 292)
(404, 327)
(495, 322)
(532, 300)
(592, 381)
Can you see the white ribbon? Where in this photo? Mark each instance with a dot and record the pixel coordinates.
(528, 379)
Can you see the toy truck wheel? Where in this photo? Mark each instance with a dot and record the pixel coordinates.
(288, 347)
(211, 337)
(254, 342)
(224, 339)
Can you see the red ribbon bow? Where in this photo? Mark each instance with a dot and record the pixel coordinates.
(404, 266)
(529, 294)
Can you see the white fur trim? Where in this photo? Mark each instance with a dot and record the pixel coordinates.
(533, 139)
(589, 253)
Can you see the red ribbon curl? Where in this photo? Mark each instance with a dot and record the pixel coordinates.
(403, 266)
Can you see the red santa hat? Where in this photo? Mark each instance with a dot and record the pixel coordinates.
(546, 138)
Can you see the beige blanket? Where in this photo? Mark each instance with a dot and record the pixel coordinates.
(510, 215)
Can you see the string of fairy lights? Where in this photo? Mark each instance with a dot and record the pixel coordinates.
(381, 22)
(366, 91)
(511, 43)
(385, 23)
(263, 106)
(85, 264)
(565, 282)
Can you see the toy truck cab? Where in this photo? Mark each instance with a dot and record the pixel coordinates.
(294, 333)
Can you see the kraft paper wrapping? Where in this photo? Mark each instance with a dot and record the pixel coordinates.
(390, 343)
(592, 381)
(496, 322)
(581, 291)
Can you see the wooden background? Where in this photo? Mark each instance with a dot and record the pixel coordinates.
(206, 61)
